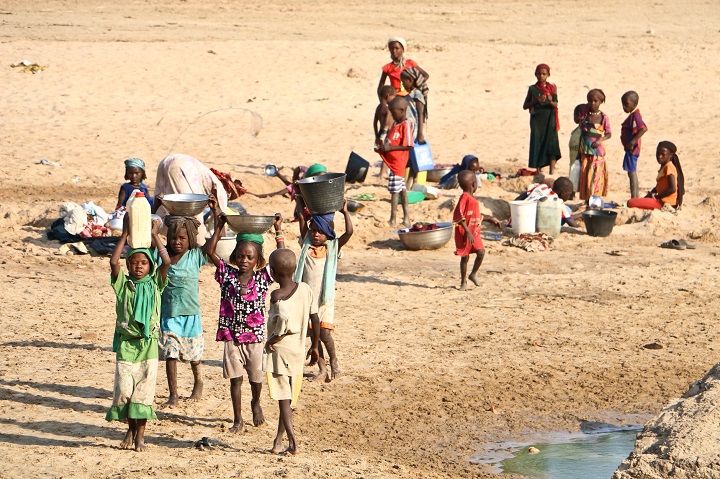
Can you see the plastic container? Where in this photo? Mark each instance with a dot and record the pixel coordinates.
(599, 222)
(523, 215)
(549, 217)
(139, 220)
(430, 192)
(356, 169)
(415, 197)
(575, 175)
(323, 194)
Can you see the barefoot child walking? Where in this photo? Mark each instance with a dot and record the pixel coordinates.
(244, 285)
(317, 267)
(467, 220)
(136, 335)
(291, 305)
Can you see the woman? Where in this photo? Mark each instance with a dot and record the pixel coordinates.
(392, 70)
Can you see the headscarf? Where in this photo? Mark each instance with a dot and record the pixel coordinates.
(464, 165)
(676, 162)
(135, 163)
(175, 223)
(548, 90)
(323, 224)
(400, 63)
(315, 169)
(251, 237)
(419, 79)
(144, 289)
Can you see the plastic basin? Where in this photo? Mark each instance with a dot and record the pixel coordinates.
(599, 222)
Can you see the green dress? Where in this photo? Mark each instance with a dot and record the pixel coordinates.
(544, 143)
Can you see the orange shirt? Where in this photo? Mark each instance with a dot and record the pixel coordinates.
(663, 182)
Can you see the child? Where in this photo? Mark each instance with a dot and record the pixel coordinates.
(467, 219)
(574, 143)
(136, 335)
(290, 307)
(414, 84)
(181, 332)
(317, 267)
(383, 118)
(392, 70)
(450, 179)
(134, 174)
(633, 128)
(595, 127)
(542, 101)
(243, 287)
(670, 187)
(562, 188)
(395, 152)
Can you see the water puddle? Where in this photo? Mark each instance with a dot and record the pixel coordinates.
(594, 453)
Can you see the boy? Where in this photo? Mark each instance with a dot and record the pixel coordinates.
(633, 128)
(467, 219)
(290, 307)
(395, 152)
(383, 120)
(562, 188)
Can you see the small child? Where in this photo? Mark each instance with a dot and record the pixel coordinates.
(244, 284)
(414, 83)
(595, 127)
(136, 335)
(633, 128)
(542, 102)
(383, 118)
(317, 267)
(134, 174)
(467, 219)
(574, 143)
(290, 307)
(562, 188)
(394, 153)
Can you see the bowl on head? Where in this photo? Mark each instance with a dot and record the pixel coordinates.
(185, 204)
(431, 239)
(254, 224)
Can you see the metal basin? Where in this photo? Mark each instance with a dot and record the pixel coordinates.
(185, 204)
(432, 239)
(354, 206)
(323, 194)
(255, 224)
(437, 173)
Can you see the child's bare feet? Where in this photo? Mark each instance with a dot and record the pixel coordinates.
(140, 444)
(257, 412)
(322, 373)
(336, 373)
(128, 441)
(170, 403)
(474, 279)
(406, 222)
(463, 285)
(196, 392)
(392, 221)
(292, 449)
(237, 426)
(277, 446)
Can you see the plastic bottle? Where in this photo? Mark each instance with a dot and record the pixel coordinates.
(139, 221)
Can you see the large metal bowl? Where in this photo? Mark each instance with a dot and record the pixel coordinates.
(185, 204)
(434, 175)
(432, 239)
(255, 224)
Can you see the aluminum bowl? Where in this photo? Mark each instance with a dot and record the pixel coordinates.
(185, 204)
(255, 224)
(434, 175)
(432, 239)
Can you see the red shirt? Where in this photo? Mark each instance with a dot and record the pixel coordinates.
(398, 135)
(467, 209)
(393, 72)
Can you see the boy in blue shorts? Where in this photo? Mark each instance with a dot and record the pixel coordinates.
(633, 128)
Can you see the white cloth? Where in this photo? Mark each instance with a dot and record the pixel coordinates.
(74, 217)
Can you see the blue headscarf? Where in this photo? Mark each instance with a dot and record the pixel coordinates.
(323, 224)
(464, 165)
(135, 163)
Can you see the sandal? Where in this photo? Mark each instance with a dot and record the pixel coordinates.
(673, 244)
(687, 245)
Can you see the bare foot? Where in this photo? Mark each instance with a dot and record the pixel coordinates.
(406, 222)
(277, 446)
(463, 286)
(474, 279)
(321, 375)
(140, 445)
(292, 449)
(336, 373)
(170, 403)
(128, 441)
(196, 392)
(237, 427)
(392, 222)
(257, 412)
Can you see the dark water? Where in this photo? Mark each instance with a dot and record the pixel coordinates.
(589, 456)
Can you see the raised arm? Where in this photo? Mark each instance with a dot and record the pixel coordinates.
(279, 238)
(115, 267)
(345, 237)
(219, 220)
(423, 73)
(162, 251)
(299, 211)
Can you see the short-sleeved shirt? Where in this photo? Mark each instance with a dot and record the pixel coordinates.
(398, 135)
(242, 318)
(467, 209)
(632, 124)
(289, 317)
(393, 72)
(182, 295)
(663, 182)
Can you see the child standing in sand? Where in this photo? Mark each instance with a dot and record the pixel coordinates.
(134, 174)
(291, 305)
(595, 127)
(383, 120)
(317, 267)
(633, 128)
(542, 101)
(397, 47)
(244, 284)
(574, 143)
(467, 220)
(394, 153)
(136, 335)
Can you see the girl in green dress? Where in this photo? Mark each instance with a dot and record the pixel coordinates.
(542, 101)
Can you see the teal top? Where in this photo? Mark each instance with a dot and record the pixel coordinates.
(181, 297)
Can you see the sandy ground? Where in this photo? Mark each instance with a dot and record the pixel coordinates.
(433, 376)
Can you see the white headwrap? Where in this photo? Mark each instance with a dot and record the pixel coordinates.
(400, 40)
